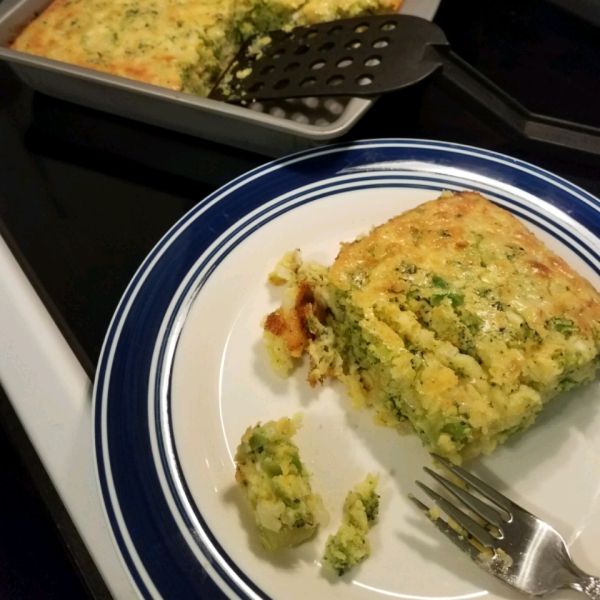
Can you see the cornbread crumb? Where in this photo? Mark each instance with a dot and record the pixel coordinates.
(497, 560)
(243, 73)
(350, 545)
(277, 485)
(286, 269)
(297, 326)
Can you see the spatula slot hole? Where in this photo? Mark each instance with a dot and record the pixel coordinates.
(373, 61)
(311, 34)
(361, 28)
(308, 82)
(300, 118)
(335, 30)
(292, 66)
(381, 43)
(389, 26)
(281, 84)
(333, 106)
(268, 69)
(256, 87)
(318, 64)
(278, 112)
(335, 80)
(326, 46)
(353, 45)
(365, 79)
(344, 62)
(303, 49)
(278, 53)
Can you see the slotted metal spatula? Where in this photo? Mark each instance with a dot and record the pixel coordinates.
(368, 56)
(351, 57)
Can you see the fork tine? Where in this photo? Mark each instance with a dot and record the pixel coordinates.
(485, 511)
(461, 541)
(482, 535)
(484, 489)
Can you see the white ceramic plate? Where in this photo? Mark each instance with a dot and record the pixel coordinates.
(183, 373)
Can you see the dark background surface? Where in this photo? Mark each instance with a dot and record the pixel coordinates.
(84, 196)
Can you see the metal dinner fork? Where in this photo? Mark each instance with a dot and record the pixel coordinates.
(504, 538)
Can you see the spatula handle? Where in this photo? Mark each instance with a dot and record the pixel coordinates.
(504, 113)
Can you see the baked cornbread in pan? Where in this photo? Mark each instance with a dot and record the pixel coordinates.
(452, 317)
(176, 44)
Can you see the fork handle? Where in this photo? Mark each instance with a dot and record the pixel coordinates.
(588, 585)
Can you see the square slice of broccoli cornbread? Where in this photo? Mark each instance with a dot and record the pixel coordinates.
(454, 318)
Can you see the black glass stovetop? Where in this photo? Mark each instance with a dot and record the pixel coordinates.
(84, 195)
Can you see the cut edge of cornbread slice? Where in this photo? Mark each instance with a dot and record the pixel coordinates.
(452, 317)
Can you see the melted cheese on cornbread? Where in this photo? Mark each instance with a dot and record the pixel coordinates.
(456, 318)
(176, 44)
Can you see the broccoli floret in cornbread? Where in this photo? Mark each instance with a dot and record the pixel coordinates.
(455, 318)
(276, 485)
(350, 545)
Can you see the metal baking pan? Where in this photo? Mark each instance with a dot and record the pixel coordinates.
(274, 129)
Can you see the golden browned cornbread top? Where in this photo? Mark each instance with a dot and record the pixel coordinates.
(472, 245)
(152, 41)
(176, 44)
